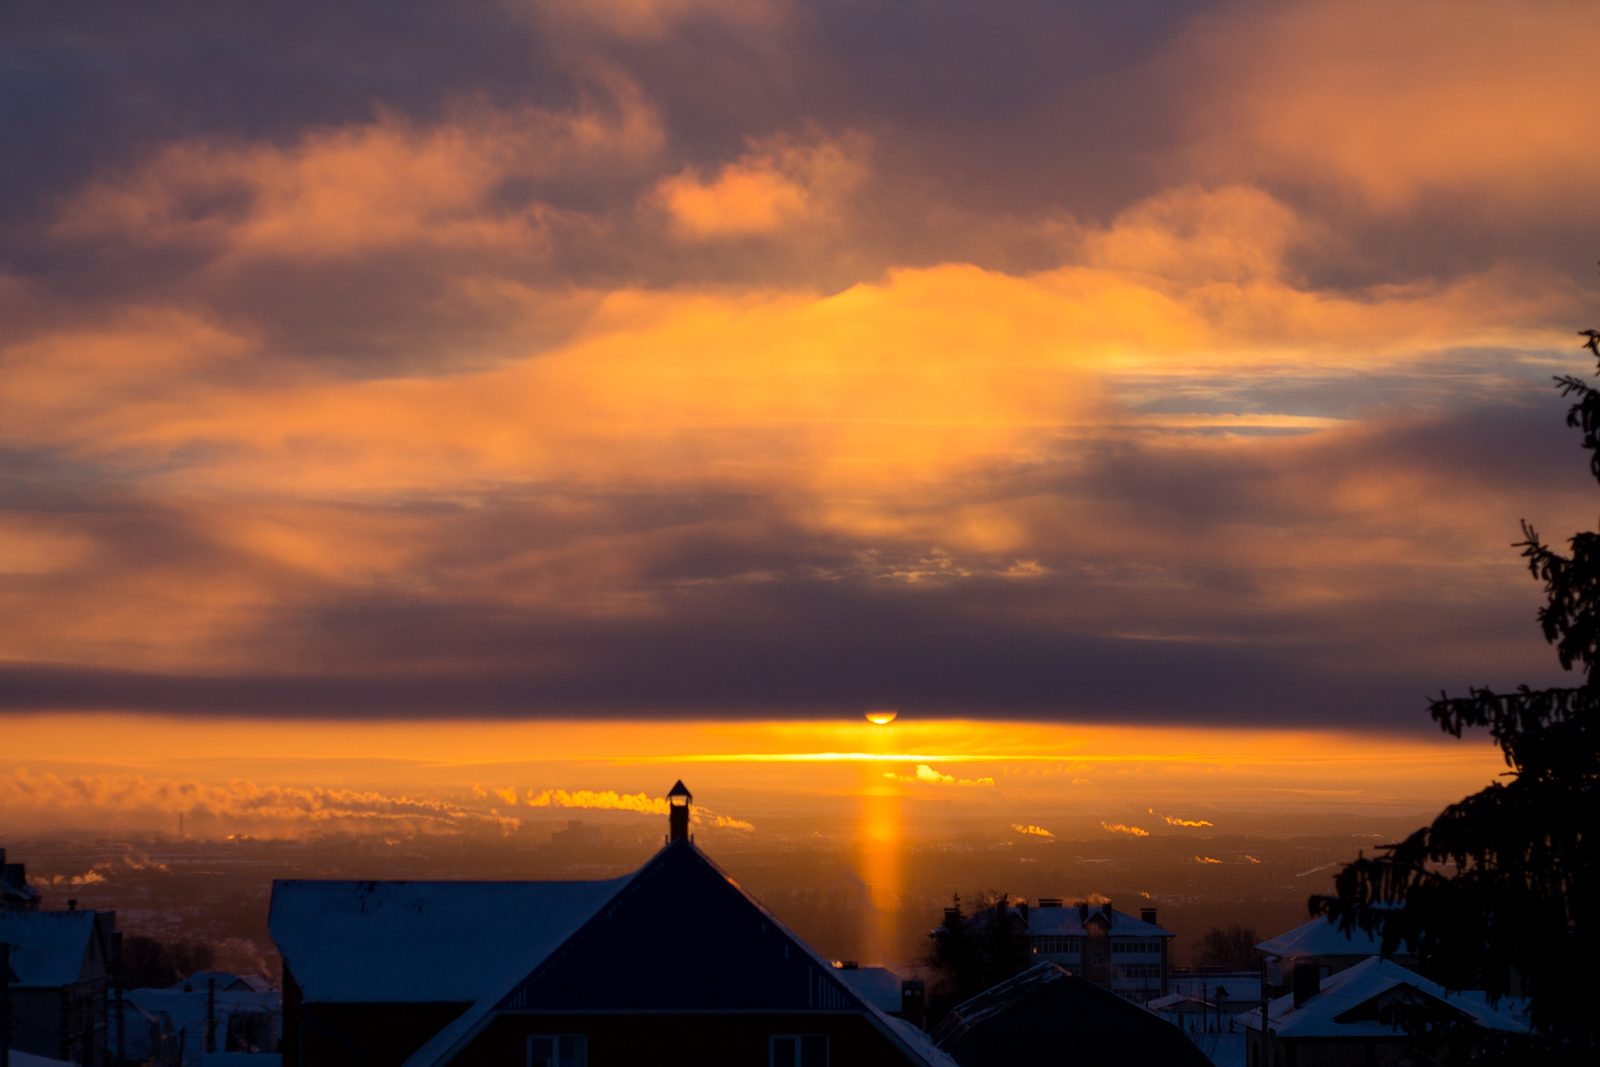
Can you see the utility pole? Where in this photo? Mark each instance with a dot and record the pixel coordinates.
(122, 1045)
(6, 978)
(210, 1042)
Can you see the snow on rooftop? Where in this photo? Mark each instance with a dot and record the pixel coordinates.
(879, 986)
(414, 942)
(1065, 922)
(1357, 985)
(1321, 937)
(48, 947)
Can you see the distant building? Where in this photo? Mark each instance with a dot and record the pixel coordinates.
(15, 892)
(1345, 1018)
(1047, 1015)
(576, 836)
(226, 982)
(1125, 955)
(1322, 943)
(674, 963)
(62, 963)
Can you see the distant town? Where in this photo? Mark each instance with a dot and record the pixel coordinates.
(602, 946)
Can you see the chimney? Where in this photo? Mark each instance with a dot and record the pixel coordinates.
(1083, 911)
(1022, 909)
(72, 905)
(1109, 920)
(678, 813)
(1307, 982)
(952, 918)
(1147, 915)
(912, 1001)
(1049, 902)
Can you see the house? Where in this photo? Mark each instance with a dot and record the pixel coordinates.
(1125, 955)
(1048, 1015)
(226, 983)
(15, 892)
(674, 963)
(1349, 1017)
(1322, 943)
(179, 1026)
(61, 963)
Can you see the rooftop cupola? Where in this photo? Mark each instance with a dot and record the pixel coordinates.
(678, 812)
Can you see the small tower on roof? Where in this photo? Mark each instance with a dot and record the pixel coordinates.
(678, 812)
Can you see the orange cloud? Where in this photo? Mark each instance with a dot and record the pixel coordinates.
(1037, 831)
(771, 187)
(137, 799)
(607, 799)
(929, 776)
(364, 189)
(1397, 103)
(1119, 828)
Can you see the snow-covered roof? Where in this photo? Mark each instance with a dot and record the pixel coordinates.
(49, 948)
(399, 942)
(29, 1059)
(877, 985)
(1321, 937)
(1066, 922)
(1320, 1015)
(253, 983)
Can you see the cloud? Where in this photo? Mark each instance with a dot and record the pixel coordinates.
(137, 800)
(1397, 104)
(598, 350)
(1183, 822)
(373, 188)
(772, 186)
(1205, 859)
(929, 776)
(1119, 828)
(608, 799)
(1037, 831)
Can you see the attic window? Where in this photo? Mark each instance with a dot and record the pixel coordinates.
(557, 1050)
(799, 1050)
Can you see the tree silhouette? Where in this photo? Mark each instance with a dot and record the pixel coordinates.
(1233, 948)
(970, 953)
(1498, 890)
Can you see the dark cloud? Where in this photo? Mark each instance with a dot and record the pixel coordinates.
(1020, 361)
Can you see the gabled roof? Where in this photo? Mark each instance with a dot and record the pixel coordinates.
(418, 942)
(251, 983)
(49, 948)
(1065, 922)
(679, 936)
(1321, 937)
(1332, 1012)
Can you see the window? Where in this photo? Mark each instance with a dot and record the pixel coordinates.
(1134, 948)
(557, 1050)
(1052, 945)
(799, 1050)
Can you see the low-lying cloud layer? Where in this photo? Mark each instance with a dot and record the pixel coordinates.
(724, 362)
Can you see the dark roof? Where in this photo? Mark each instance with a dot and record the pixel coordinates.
(1045, 1004)
(680, 790)
(679, 936)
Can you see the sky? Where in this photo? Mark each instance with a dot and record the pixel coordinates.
(1138, 369)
